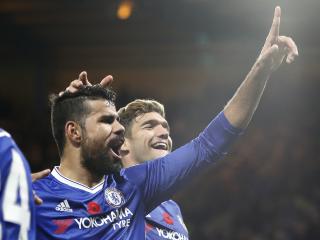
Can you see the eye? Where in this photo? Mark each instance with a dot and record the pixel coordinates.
(108, 119)
(147, 126)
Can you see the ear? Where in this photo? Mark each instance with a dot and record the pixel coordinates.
(73, 132)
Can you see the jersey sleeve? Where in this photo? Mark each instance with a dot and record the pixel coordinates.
(16, 197)
(160, 178)
(6, 144)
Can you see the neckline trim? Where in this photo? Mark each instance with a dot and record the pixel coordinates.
(57, 175)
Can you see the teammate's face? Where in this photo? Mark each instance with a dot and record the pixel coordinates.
(102, 138)
(149, 137)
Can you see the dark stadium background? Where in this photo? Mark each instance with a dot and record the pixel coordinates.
(191, 55)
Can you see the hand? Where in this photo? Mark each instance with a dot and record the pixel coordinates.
(276, 47)
(37, 176)
(82, 81)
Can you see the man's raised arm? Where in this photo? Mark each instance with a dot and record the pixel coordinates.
(243, 104)
(241, 107)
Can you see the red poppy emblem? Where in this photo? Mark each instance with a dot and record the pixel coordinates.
(94, 208)
(167, 218)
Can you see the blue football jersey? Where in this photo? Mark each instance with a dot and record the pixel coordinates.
(116, 208)
(166, 222)
(17, 217)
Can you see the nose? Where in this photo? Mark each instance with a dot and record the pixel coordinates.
(118, 128)
(162, 132)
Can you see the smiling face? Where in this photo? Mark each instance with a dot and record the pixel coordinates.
(148, 137)
(102, 137)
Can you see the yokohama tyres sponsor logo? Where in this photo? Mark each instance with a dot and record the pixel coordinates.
(98, 221)
(171, 235)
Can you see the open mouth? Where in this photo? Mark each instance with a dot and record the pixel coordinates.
(160, 146)
(115, 146)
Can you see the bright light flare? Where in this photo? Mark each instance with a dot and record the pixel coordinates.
(125, 9)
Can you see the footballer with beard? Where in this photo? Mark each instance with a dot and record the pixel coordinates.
(87, 197)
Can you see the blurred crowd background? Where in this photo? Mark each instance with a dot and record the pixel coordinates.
(191, 55)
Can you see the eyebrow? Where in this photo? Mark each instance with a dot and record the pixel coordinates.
(107, 116)
(156, 122)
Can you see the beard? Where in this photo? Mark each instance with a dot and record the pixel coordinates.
(96, 159)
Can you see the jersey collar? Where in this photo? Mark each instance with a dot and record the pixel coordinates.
(57, 175)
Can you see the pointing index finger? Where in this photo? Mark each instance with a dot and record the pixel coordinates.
(274, 30)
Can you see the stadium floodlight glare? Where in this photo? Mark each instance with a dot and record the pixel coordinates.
(125, 9)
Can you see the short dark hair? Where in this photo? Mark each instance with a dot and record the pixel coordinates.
(137, 108)
(72, 107)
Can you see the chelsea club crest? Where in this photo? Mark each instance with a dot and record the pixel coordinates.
(114, 197)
